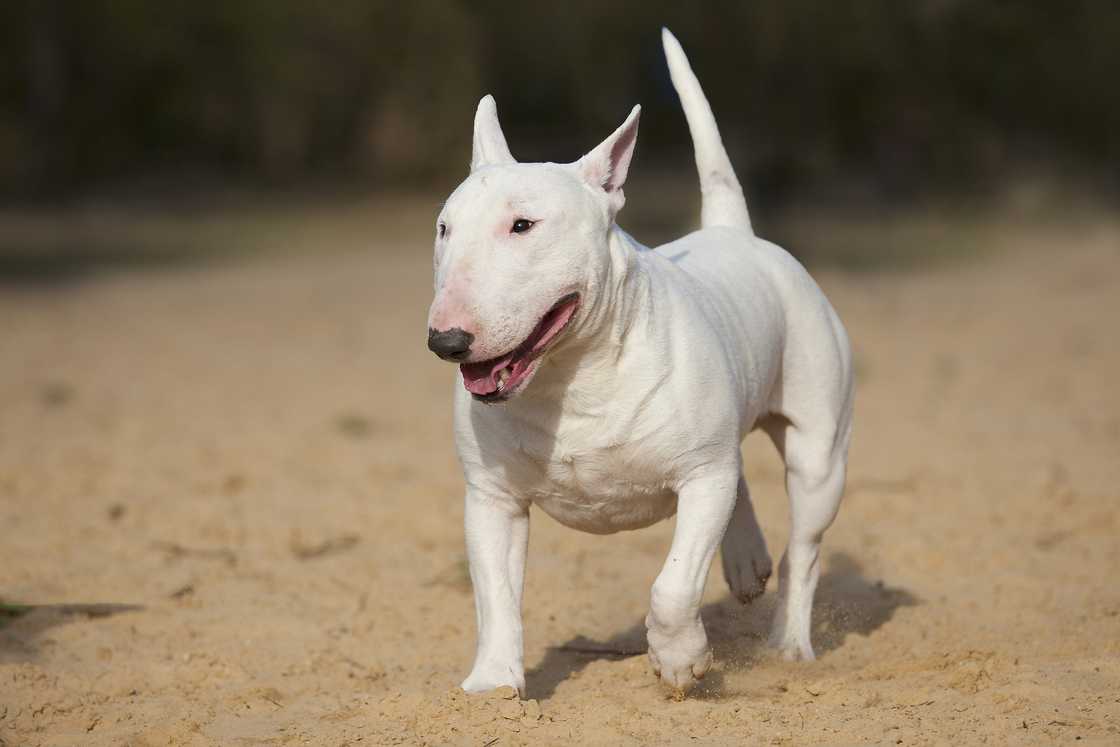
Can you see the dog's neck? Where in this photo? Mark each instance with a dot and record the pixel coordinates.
(625, 292)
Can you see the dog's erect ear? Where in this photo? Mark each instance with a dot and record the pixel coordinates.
(490, 147)
(606, 166)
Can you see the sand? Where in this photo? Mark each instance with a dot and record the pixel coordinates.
(231, 514)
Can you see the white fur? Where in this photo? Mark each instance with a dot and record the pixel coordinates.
(639, 409)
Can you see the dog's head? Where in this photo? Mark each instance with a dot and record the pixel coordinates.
(520, 250)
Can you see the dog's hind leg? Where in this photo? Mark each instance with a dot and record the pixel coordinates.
(746, 562)
(816, 460)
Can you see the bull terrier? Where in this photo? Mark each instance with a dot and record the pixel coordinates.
(611, 384)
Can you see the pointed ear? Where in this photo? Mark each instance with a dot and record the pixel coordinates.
(605, 167)
(489, 143)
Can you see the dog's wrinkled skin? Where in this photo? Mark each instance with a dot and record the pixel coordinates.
(631, 406)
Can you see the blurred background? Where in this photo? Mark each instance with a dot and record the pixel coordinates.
(232, 107)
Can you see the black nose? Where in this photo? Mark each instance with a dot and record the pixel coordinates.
(451, 345)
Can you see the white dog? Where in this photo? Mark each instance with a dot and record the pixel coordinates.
(611, 384)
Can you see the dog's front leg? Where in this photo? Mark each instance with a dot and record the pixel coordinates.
(678, 645)
(497, 539)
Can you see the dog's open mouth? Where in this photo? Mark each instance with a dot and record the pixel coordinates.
(499, 378)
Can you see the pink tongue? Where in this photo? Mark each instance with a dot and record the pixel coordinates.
(482, 378)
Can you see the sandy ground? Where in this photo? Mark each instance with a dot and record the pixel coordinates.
(231, 509)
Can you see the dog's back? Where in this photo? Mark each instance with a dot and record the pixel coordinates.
(752, 286)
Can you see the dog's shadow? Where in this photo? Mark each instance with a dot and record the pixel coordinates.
(22, 627)
(847, 602)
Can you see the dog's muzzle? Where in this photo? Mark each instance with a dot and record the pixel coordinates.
(450, 345)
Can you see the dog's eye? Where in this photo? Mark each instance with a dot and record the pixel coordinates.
(442, 230)
(521, 225)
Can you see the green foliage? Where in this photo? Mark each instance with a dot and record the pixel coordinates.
(907, 91)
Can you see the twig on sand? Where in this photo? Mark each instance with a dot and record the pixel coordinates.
(307, 551)
(182, 592)
(622, 653)
(175, 550)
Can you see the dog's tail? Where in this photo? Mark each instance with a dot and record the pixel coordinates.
(722, 201)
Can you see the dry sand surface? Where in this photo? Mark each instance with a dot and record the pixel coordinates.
(231, 510)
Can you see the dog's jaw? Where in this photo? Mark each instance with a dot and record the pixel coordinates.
(501, 378)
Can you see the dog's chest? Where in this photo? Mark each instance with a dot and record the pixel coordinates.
(595, 482)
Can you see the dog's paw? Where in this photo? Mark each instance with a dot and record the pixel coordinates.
(746, 572)
(484, 678)
(747, 568)
(679, 658)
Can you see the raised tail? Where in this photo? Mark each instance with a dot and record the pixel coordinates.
(722, 201)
